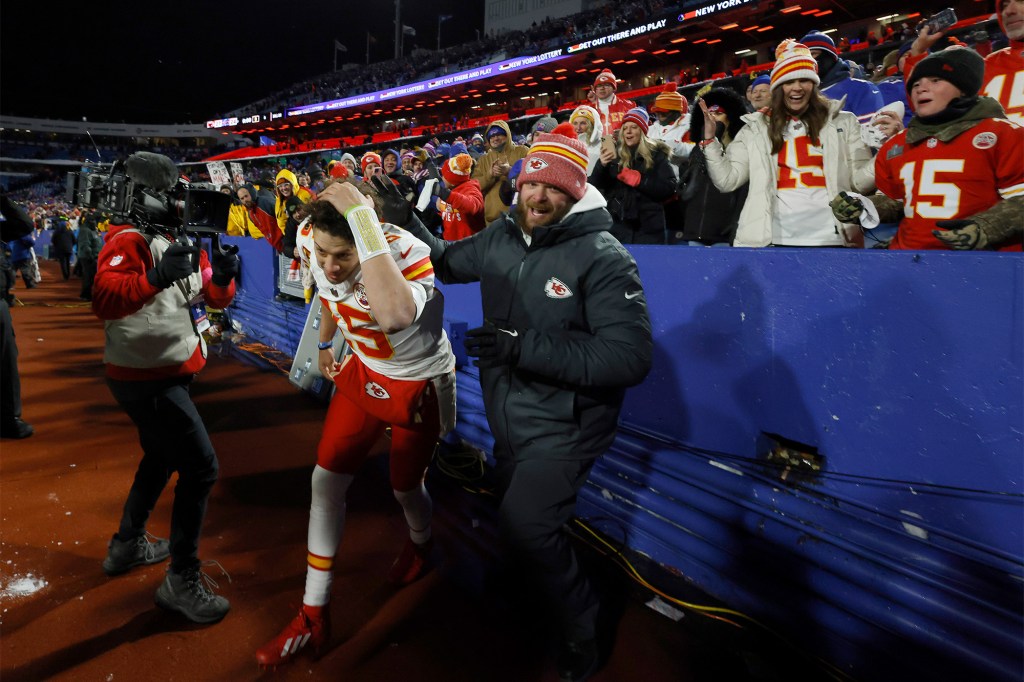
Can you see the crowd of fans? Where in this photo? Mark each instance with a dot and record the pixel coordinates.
(421, 64)
(754, 168)
(790, 163)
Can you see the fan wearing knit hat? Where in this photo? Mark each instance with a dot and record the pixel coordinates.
(981, 154)
(370, 163)
(610, 106)
(459, 201)
(636, 178)
(673, 125)
(759, 94)
(860, 97)
(815, 151)
(572, 323)
(587, 123)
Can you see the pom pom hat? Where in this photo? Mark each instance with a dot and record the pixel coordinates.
(637, 115)
(457, 169)
(557, 159)
(606, 77)
(670, 100)
(793, 61)
(368, 158)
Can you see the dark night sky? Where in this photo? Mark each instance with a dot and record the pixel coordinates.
(190, 61)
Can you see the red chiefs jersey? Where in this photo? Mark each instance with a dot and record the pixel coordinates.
(420, 351)
(1004, 80)
(950, 180)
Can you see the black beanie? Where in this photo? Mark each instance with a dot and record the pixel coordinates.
(961, 66)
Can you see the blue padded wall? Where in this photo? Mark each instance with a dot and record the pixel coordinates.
(903, 558)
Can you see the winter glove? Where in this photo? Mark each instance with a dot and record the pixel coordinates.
(394, 207)
(493, 346)
(442, 190)
(846, 208)
(226, 265)
(175, 264)
(961, 235)
(629, 176)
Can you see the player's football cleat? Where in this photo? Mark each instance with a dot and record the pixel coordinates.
(412, 563)
(303, 631)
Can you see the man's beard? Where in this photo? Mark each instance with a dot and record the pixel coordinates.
(552, 218)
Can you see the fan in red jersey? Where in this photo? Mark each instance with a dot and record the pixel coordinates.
(954, 178)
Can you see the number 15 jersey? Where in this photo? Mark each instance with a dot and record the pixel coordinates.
(951, 180)
(420, 351)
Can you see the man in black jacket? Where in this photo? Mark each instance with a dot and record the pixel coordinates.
(565, 332)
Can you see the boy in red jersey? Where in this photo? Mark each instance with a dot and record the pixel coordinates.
(1004, 69)
(954, 179)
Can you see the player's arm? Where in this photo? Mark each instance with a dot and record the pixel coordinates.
(387, 291)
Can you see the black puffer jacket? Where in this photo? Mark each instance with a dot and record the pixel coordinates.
(712, 216)
(575, 296)
(639, 208)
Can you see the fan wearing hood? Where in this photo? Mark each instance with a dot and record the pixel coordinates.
(492, 168)
(711, 216)
(954, 178)
(1004, 69)
(587, 123)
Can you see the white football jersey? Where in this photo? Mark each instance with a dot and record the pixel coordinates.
(422, 350)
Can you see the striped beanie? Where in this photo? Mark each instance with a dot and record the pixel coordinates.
(606, 77)
(793, 61)
(816, 40)
(670, 100)
(457, 169)
(557, 159)
(639, 116)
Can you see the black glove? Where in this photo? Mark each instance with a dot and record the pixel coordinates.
(225, 265)
(846, 208)
(442, 191)
(493, 346)
(433, 172)
(395, 209)
(175, 264)
(961, 235)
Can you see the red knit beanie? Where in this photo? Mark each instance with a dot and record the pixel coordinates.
(558, 159)
(606, 77)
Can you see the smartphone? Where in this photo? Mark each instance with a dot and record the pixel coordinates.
(939, 21)
(608, 143)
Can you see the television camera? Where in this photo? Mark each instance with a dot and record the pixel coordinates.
(147, 191)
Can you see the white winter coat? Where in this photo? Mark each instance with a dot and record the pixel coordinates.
(849, 165)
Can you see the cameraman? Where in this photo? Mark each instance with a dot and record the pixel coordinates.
(150, 289)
